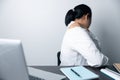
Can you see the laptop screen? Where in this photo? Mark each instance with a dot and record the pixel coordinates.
(12, 61)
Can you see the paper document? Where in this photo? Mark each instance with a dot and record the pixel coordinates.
(44, 74)
(79, 73)
(117, 66)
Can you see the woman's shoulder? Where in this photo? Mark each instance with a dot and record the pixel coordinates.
(78, 34)
(78, 30)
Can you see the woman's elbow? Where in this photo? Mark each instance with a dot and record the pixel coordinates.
(99, 63)
(96, 64)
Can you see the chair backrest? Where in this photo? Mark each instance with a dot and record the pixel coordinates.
(58, 58)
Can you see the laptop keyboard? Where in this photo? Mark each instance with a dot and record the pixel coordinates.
(35, 78)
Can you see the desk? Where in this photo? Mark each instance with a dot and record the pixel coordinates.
(56, 69)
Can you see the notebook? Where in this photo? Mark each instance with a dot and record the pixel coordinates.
(111, 73)
(82, 73)
(117, 66)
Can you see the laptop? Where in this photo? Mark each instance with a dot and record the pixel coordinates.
(12, 61)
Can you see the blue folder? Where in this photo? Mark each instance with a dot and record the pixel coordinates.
(84, 73)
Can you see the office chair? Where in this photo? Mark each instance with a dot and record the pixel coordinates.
(58, 58)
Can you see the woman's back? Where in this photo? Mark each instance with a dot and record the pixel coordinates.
(68, 55)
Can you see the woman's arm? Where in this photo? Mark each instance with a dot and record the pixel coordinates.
(84, 45)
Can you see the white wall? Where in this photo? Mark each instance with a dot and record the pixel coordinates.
(40, 26)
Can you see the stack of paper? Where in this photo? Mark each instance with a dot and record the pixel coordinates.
(79, 73)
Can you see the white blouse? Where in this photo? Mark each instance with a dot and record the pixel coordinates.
(81, 47)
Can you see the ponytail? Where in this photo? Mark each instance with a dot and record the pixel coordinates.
(77, 13)
(70, 16)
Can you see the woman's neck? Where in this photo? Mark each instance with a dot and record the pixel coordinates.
(76, 24)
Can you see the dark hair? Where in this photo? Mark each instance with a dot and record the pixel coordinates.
(77, 13)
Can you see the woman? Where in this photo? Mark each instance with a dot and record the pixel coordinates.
(80, 46)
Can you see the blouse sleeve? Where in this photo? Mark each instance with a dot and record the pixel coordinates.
(84, 45)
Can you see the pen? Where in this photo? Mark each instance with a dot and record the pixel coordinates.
(75, 72)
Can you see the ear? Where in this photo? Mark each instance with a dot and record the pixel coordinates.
(87, 16)
(83, 17)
